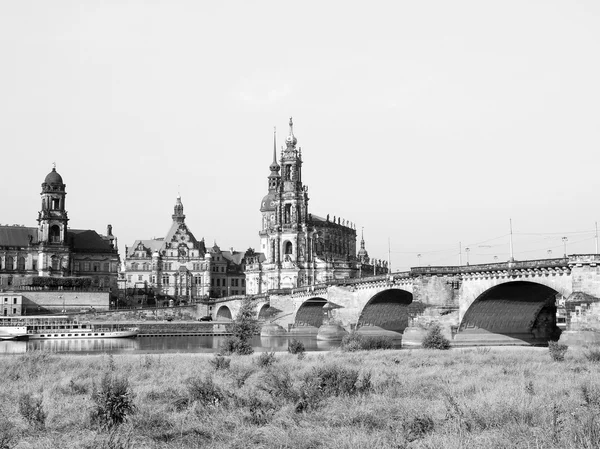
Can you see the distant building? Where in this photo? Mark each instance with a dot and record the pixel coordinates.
(53, 250)
(298, 248)
(178, 266)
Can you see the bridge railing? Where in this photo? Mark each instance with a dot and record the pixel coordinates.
(501, 266)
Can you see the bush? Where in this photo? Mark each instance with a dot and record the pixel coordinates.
(30, 408)
(592, 355)
(244, 327)
(7, 435)
(266, 359)
(219, 362)
(435, 339)
(557, 351)
(296, 347)
(114, 401)
(356, 342)
(204, 391)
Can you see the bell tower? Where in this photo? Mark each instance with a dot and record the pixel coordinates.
(178, 215)
(52, 219)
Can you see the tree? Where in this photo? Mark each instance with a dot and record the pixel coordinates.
(244, 327)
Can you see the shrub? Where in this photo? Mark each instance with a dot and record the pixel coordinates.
(334, 380)
(219, 362)
(266, 359)
(592, 354)
(114, 401)
(356, 342)
(557, 351)
(204, 391)
(296, 347)
(435, 339)
(30, 408)
(244, 327)
(278, 383)
(7, 434)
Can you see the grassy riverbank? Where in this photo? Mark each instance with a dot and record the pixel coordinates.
(462, 398)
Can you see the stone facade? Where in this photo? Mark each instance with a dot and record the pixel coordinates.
(53, 250)
(181, 267)
(298, 248)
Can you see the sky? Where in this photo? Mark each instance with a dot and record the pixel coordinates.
(430, 124)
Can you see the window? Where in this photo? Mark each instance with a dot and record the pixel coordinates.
(55, 263)
(14, 300)
(106, 267)
(21, 263)
(288, 248)
(9, 263)
(55, 204)
(96, 266)
(54, 236)
(218, 282)
(128, 278)
(212, 282)
(287, 214)
(222, 269)
(165, 279)
(140, 277)
(243, 282)
(34, 265)
(233, 282)
(86, 266)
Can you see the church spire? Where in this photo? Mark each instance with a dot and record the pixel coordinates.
(291, 140)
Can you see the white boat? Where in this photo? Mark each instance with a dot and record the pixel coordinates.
(62, 327)
(13, 332)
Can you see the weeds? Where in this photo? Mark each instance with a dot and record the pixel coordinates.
(204, 391)
(592, 355)
(7, 434)
(557, 351)
(113, 401)
(357, 342)
(435, 339)
(266, 359)
(32, 410)
(218, 362)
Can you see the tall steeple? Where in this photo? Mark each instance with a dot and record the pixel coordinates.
(363, 255)
(53, 218)
(178, 215)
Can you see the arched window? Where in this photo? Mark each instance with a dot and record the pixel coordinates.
(134, 266)
(288, 248)
(54, 234)
(287, 214)
(55, 263)
(21, 263)
(9, 263)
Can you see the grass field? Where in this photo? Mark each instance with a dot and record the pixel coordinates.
(461, 398)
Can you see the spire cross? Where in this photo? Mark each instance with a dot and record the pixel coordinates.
(54, 165)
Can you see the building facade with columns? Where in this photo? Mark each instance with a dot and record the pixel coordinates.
(179, 266)
(53, 250)
(298, 248)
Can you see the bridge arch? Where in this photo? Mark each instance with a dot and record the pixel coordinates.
(516, 310)
(390, 309)
(310, 313)
(224, 313)
(265, 312)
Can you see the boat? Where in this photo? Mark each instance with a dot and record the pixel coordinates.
(13, 332)
(61, 327)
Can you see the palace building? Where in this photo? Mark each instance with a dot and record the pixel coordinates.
(37, 256)
(178, 266)
(298, 248)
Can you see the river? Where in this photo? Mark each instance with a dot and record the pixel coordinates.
(155, 345)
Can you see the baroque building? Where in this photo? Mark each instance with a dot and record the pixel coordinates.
(298, 248)
(53, 250)
(178, 266)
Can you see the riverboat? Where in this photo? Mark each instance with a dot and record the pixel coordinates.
(62, 327)
(13, 332)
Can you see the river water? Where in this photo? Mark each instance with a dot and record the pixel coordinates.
(155, 345)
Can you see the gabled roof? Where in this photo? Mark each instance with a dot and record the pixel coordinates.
(17, 235)
(152, 244)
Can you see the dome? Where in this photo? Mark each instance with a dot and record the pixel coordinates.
(268, 203)
(53, 178)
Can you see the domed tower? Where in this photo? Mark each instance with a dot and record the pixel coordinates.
(362, 255)
(53, 218)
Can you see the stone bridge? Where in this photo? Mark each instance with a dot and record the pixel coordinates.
(504, 303)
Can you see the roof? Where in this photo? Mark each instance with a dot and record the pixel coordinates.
(17, 235)
(83, 240)
(152, 244)
(235, 257)
(53, 177)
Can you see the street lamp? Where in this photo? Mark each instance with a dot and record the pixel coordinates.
(564, 239)
(550, 253)
(419, 257)
(495, 258)
(63, 301)
(467, 250)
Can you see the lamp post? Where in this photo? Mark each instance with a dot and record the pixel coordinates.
(63, 302)
(467, 250)
(419, 257)
(564, 239)
(550, 254)
(495, 258)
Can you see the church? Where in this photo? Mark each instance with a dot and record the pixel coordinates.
(298, 248)
(50, 255)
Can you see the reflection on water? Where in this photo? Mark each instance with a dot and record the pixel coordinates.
(155, 344)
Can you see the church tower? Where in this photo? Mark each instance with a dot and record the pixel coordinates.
(53, 218)
(178, 215)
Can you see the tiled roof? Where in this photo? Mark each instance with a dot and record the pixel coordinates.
(17, 235)
(83, 240)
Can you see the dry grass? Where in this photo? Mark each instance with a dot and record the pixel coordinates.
(462, 398)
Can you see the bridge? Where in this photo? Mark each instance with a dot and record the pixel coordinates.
(503, 303)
